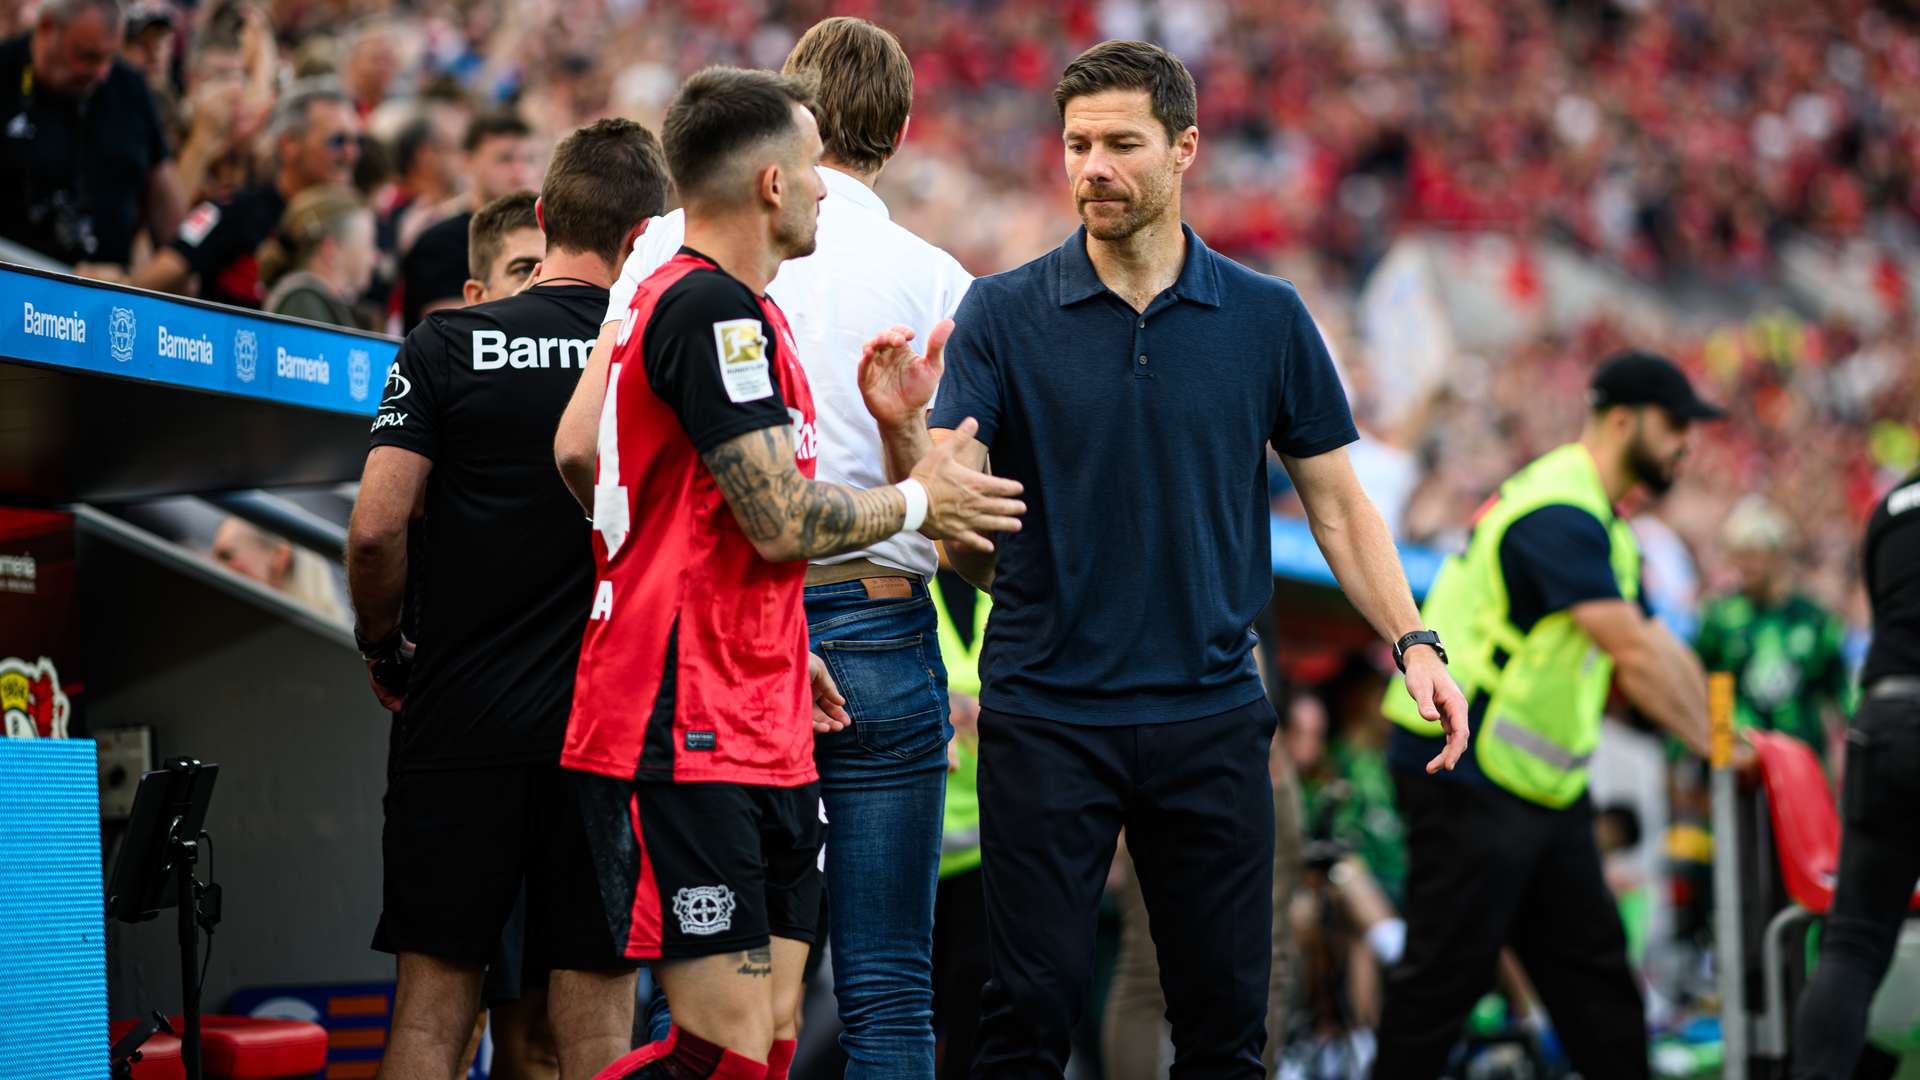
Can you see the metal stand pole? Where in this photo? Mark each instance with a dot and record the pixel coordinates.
(186, 852)
(1730, 958)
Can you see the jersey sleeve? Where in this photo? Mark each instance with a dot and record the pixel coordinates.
(409, 415)
(709, 354)
(211, 236)
(970, 386)
(1556, 557)
(1312, 415)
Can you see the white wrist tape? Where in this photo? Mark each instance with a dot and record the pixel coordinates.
(916, 494)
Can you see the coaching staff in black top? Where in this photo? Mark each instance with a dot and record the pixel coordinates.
(1879, 849)
(1131, 379)
(461, 511)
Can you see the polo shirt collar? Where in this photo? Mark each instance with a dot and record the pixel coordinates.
(841, 185)
(1198, 281)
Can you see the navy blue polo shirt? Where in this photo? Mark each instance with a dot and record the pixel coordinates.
(1129, 595)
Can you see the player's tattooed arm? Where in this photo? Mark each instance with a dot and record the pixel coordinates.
(788, 516)
(757, 962)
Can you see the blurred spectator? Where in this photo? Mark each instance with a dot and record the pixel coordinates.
(228, 98)
(1346, 789)
(148, 47)
(370, 64)
(272, 561)
(504, 246)
(86, 162)
(313, 134)
(321, 259)
(499, 161)
(1783, 649)
(1616, 831)
(426, 170)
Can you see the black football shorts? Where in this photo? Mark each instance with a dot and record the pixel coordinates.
(463, 847)
(691, 870)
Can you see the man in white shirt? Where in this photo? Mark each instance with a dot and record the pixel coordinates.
(883, 779)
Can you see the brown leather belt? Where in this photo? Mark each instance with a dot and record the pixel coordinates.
(883, 582)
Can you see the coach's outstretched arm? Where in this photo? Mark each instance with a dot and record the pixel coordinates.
(788, 516)
(1359, 549)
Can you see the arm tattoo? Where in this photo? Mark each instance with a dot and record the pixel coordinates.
(771, 500)
(757, 962)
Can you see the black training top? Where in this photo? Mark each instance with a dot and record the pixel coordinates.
(74, 171)
(500, 571)
(1891, 558)
(1129, 594)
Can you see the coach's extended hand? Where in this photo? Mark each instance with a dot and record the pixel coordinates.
(1440, 700)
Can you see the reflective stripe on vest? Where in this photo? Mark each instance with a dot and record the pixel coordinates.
(1523, 738)
(1538, 696)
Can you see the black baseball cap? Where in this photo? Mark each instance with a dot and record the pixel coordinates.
(1642, 378)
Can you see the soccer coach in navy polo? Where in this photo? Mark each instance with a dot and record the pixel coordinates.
(1132, 379)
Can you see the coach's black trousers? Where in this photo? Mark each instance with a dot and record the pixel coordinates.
(1197, 805)
(1879, 860)
(1487, 869)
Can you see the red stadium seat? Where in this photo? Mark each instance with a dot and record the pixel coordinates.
(159, 1055)
(246, 1048)
(1806, 825)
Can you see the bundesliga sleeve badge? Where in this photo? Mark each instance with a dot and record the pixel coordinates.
(742, 352)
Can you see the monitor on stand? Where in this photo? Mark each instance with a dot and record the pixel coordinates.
(155, 870)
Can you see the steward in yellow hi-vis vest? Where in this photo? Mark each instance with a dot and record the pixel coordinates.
(1534, 696)
(1542, 617)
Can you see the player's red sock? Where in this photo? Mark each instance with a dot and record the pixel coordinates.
(682, 1055)
(734, 1067)
(780, 1058)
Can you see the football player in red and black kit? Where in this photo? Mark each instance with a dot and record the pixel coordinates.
(461, 515)
(691, 712)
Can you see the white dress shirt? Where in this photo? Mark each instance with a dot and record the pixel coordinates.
(866, 274)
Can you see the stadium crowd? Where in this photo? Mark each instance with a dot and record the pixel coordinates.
(322, 159)
(1682, 142)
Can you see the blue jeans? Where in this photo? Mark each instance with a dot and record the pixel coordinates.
(884, 782)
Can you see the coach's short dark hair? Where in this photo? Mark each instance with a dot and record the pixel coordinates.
(863, 84)
(497, 123)
(604, 179)
(1133, 65)
(487, 231)
(720, 113)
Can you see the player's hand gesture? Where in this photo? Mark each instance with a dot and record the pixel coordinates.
(1431, 688)
(896, 382)
(964, 504)
(829, 707)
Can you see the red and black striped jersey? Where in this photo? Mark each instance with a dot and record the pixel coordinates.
(693, 667)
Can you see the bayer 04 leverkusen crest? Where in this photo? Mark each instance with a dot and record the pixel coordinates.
(32, 705)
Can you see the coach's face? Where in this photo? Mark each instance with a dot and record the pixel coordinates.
(799, 189)
(1123, 169)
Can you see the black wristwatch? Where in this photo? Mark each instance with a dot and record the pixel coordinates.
(374, 651)
(1418, 637)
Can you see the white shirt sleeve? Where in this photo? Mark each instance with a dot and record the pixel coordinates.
(651, 251)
